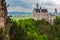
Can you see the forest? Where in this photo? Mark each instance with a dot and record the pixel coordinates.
(29, 29)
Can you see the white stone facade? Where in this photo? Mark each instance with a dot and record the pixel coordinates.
(39, 14)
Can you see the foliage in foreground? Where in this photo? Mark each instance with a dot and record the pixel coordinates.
(30, 29)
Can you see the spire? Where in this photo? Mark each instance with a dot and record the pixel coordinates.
(55, 10)
(37, 5)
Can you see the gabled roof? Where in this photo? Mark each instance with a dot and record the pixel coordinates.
(44, 10)
(37, 10)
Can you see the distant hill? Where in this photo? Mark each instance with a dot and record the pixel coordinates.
(20, 13)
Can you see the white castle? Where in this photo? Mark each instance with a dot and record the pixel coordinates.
(39, 14)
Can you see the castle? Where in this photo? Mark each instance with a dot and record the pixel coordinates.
(39, 14)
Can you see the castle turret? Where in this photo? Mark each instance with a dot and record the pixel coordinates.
(40, 9)
(37, 5)
(55, 11)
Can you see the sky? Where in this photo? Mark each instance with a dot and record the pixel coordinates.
(29, 5)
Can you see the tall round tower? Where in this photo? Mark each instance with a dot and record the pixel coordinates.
(55, 11)
(37, 5)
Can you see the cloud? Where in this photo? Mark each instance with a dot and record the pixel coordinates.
(18, 9)
(28, 5)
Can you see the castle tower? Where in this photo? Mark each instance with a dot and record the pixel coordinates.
(55, 11)
(40, 9)
(37, 5)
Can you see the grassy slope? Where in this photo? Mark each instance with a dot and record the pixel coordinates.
(25, 17)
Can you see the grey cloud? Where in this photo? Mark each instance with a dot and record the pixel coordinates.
(49, 3)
